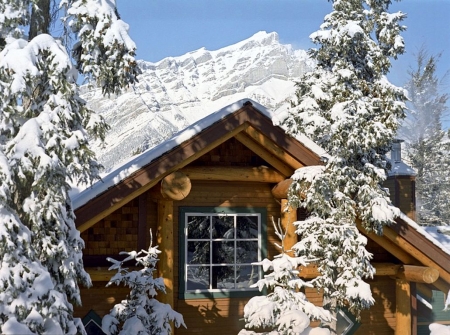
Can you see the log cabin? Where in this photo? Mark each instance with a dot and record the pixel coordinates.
(209, 194)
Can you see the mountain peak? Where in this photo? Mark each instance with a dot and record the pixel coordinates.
(177, 91)
(263, 37)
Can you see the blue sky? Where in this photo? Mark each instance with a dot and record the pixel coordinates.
(163, 28)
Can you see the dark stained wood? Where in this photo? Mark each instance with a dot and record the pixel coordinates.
(427, 247)
(142, 224)
(266, 154)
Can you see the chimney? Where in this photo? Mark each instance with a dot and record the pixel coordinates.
(396, 151)
(401, 182)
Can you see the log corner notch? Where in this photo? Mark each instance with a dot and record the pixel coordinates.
(280, 190)
(176, 186)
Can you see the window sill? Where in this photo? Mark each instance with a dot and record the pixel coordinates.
(217, 294)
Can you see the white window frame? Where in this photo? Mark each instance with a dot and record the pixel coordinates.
(221, 212)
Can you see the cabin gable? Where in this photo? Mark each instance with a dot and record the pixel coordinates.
(232, 167)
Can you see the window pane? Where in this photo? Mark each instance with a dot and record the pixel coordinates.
(247, 226)
(246, 251)
(223, 226)
(223, 277)
(246, 275)
(198, 227)
(93, 329)
(197, 277)
(223, 252)
(198, 252)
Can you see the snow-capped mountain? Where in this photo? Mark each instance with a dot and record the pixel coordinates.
(177, 91)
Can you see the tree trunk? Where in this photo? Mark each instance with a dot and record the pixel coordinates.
(40, 19)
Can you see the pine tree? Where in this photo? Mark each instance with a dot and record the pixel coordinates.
(285, 310)
(428, 145)
(44, 132)
(347, 105)
(140, 313)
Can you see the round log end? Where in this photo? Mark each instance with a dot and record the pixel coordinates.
(280, 190)
(176, 186)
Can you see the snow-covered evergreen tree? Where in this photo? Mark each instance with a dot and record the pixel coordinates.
(285, 310)
(428, 145)
(31, 302)
(44, 132)
(347, 105)
(140, 313)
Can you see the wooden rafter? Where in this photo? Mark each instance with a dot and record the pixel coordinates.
(147, 177)
(415, 252)
(391, 247)
(265, 154)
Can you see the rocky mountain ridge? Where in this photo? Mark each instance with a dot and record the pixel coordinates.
(177, 91)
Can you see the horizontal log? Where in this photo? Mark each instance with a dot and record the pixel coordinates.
(231, 173)
(418, 274)
(382, 269)
(280, 190)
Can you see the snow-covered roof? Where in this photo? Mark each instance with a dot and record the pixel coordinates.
(135, 163)
(440, 234)
(433, 234)
(138, 162)
(401, 169)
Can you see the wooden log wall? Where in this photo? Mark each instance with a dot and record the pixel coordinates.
(221, 315)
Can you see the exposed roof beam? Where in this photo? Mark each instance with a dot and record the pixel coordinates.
(263, 151)
(231, 173)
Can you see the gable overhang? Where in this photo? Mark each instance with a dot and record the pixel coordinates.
(247, 124)
(410, 246)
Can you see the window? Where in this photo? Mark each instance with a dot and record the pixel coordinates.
(92, 324)
(218, 247)
(346, 323)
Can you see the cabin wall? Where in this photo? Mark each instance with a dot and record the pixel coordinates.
(221, 315)
(118, 232)
(380, 318)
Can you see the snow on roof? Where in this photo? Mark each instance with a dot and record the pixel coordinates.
(433, 234)
(137, 162)
(123, 171)
(441, 234)
(401, 169)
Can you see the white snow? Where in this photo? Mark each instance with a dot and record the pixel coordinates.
(437, 329)
(424, 301)
(178, 91)
(440, 234)
(432, 235)
(401, 169)
(22, 56)
(308, 173)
